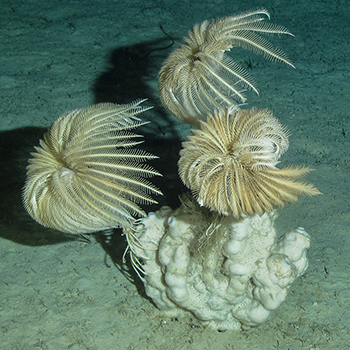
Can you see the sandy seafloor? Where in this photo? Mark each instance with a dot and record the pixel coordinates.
(59, 292)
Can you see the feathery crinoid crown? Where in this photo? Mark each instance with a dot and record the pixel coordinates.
(85, 176)
(230, 163)
(198, 77)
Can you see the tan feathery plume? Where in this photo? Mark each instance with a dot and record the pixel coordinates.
(198, 77)
(230, 164)
(85, 176)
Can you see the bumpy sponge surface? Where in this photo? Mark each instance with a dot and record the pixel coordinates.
(226, 272)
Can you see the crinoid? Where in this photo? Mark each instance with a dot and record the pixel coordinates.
(230, 163)
(198, 77)
(85, 176)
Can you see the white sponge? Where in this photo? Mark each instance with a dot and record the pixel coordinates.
(226, 272)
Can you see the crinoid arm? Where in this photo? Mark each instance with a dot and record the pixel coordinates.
(201, 76)
(230, 164)
(86, 176)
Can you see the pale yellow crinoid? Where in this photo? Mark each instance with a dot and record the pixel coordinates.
(230, 163)
(198, 77)
(85, 176)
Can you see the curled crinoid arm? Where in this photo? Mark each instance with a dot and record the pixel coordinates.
(200, 76)
(138, 247)
(134, 246)
(230, 164)
(86, 176)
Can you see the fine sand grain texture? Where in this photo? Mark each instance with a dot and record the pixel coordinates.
(62, 292)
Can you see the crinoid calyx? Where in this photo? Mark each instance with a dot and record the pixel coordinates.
(230, 163)
(85, 176)
(198, 77)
